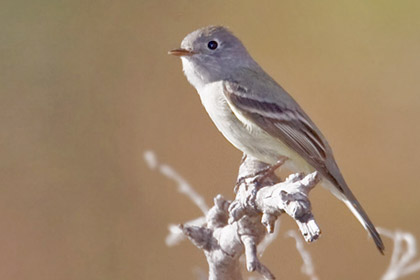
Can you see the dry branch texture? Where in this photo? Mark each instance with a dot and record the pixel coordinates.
(236, 227)
(231, 228)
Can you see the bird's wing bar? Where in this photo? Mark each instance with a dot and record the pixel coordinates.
(290, 126)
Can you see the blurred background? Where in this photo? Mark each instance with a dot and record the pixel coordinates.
(86, 87)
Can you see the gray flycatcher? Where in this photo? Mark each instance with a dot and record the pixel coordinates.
(257, 115)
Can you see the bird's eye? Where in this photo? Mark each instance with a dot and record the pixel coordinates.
(212, 45)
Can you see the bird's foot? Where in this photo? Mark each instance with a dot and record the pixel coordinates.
(262, 174)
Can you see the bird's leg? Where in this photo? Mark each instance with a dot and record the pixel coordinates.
(262, 174)
(268, 171)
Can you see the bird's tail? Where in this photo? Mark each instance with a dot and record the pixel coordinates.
(338, 186)
(363, 218)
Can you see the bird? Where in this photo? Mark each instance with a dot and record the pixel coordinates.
(257, 115)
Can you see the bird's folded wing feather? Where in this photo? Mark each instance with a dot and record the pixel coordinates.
(290, 125)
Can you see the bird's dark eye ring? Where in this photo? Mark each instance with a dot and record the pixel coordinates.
(212, 45)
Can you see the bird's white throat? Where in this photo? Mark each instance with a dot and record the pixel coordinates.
(193, 76)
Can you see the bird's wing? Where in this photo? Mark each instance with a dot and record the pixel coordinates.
(287, 122)
(290, 125)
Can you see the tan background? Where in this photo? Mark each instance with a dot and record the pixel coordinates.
(86, 87)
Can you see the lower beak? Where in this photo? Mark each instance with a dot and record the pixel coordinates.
(181, 52)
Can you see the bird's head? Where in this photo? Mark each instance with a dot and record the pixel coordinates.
(210, 54)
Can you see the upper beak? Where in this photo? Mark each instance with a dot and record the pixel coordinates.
(181, 52)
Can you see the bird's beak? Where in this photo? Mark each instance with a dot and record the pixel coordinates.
(181, 52)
